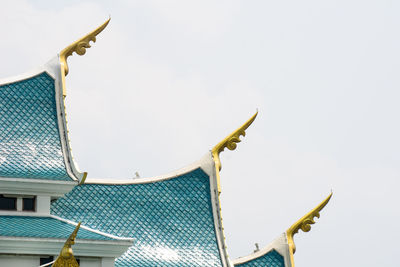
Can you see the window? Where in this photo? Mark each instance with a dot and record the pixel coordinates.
(28, 203)
(8, 203)
(46, 260)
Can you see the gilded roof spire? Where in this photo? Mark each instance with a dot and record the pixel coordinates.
(229, 142)
(304, 224)
(80, 46)
(66, 257)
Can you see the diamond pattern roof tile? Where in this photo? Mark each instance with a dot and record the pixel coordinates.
(170, 220)
(43, 227)
(30, 145)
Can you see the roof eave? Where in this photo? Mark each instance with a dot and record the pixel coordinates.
(53, 188)
(279, 244)
(52, 246)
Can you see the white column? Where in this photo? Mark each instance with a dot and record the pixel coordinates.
(43, 204)
(19, 204)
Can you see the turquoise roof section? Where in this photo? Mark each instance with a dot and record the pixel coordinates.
(30, 145)
(43, 227)
(270, 259)
(171, 220)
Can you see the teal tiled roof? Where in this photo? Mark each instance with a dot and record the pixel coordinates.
(30, 145)
(171, 220)
(43, 227)
(270, 259)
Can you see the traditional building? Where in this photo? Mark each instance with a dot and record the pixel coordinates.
(171, 220)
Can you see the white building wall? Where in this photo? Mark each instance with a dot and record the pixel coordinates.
(107, 262)
(34, 261)
(19, 261)
(90, 262)
(95, 262)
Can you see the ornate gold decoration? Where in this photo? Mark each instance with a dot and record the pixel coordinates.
(66, 257)
(80, 46)
(83, 178)
(304, 224)
(229, 142)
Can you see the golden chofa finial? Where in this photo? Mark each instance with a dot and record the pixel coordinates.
(304, 224)
(79, 46)
(229, 142)
(66, 257)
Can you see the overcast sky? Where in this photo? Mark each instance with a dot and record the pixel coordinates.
(167, 80)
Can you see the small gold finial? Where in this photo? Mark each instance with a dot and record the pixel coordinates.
(229, 142)
(304, 224)
(66, 257)
(80, 46)
(83, 178)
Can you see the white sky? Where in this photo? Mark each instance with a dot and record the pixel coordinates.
(167, 80)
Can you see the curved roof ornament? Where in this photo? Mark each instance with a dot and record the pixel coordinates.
(78, 47)
(229, 142)
(66, 257)
(304, 224)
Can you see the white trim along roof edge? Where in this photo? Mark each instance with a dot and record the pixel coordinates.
(52, 246)
(54, 188)
(204, 163)
(93, 230)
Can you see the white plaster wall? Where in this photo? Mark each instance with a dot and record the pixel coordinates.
(107, 262)
(19, 261)
(34, 261)
(96, 262)
(90, 262)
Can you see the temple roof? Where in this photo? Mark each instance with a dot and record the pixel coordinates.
(34, 142)
(275, 254)
(45, 235)
(45, 227)
(270, 259)
(174, 219)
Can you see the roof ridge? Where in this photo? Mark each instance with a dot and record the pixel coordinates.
(205, 163)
